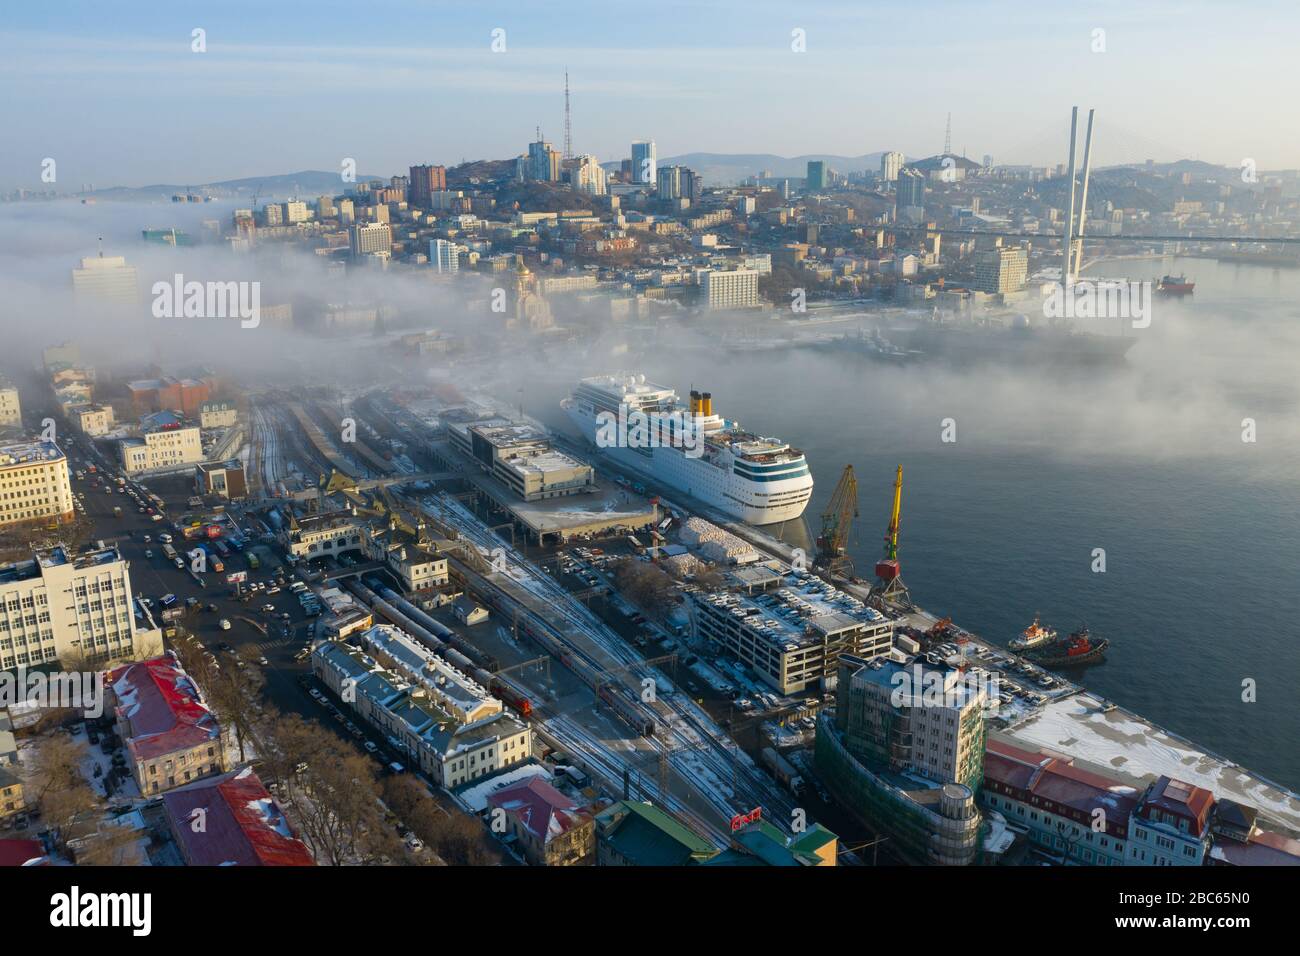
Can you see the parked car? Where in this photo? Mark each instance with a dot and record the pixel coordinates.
(223, 624)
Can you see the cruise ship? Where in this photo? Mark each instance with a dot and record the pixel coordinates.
(691, 449)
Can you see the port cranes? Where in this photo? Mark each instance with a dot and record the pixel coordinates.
(837, 521)
(889, 587)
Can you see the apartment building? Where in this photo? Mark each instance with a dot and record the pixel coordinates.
(105, 278)
(218, 414)
(166, 442)
(57, 606)
(91, 420)
(11, 412)
(171, 736)
(34, 485)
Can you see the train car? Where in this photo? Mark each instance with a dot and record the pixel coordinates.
(512, 698)
(629, 714)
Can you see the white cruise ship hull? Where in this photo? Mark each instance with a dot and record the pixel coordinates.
(757, 503)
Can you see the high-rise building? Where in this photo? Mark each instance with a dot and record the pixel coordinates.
(737, 289)
(668, 182)
(1002, 270)
(325, 208)
(543, 163)
(904, 753)
(890, 165)
(273, 214)
(644, 162)
(444, 256)
(816, 178)
(424, 182)
(371, 237)
(107, 278)
(72, 608)
(909, 195)
(295, 210)
(34, 484)
(588, 176)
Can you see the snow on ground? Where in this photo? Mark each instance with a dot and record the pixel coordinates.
(1132, 747)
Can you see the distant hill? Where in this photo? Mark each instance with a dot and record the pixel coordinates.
(305, 184)
(726, 169)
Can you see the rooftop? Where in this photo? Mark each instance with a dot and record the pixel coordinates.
(242, 824)
(17, 454)
(162, 706)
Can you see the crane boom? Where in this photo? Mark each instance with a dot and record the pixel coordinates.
(891, 539)
(837, 522)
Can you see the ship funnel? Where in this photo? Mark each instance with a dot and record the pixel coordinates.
(695, 402)
(706, 404)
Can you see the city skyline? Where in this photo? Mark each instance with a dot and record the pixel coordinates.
(721, 83)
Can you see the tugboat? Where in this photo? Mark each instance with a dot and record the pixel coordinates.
(1175, 286)
(1035, 635)
(1078, 650)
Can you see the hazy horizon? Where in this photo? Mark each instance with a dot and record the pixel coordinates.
(287, 87)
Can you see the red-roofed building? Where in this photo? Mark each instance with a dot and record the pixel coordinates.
(171, 737)
(231, 820)
(1065, 811)
(22, 853)
(552, 830)
(1171, 826)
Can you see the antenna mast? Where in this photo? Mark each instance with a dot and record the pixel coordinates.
(568, 130)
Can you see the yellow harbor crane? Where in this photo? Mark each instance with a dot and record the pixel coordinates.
(889, 587)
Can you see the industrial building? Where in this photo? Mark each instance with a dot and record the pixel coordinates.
(522, 458)
(793, 634)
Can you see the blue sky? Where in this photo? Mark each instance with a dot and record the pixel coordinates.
(115, 95)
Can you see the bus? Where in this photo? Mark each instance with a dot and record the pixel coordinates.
(253, 563)
(169, 551)
(221, 548)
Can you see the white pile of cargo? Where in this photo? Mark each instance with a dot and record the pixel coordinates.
(716, 544)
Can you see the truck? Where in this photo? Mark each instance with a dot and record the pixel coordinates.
(783, 771)
(169, 551)
(253, 563)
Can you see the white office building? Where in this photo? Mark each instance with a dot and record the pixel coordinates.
(737, 289)
(71, 608)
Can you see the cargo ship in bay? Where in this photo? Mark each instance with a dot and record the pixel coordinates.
(690, 448)
(1177, 286)
(1080, 649)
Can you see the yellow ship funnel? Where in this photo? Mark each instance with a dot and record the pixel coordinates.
(695, 402)
(706, 404)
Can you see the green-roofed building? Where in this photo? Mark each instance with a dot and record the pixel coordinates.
(761, 844)
(639, 834)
